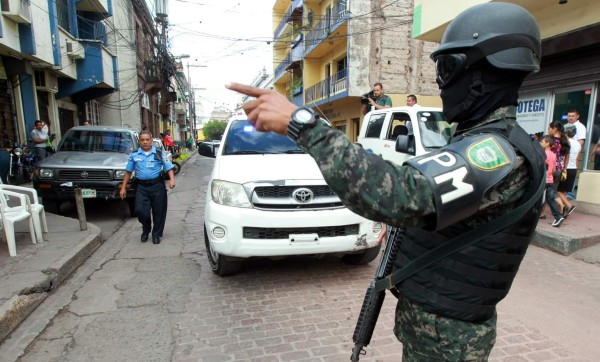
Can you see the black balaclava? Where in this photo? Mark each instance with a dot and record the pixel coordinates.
(478, 91)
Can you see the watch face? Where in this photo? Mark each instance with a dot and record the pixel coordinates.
(303, 116)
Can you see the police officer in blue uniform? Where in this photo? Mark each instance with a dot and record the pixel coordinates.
(150, 193)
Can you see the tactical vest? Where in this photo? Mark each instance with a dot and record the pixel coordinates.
(468, 284)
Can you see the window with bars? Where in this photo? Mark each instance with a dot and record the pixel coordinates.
(92, 112)
(62, 9)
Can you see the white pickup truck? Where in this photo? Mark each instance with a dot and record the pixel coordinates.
(399, 133)
(268, 198)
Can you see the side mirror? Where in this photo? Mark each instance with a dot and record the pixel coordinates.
(205, 150)
(406, 144)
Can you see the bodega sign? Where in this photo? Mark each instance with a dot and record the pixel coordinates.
(532, 111)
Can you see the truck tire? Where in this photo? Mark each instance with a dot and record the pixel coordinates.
(51, 205)
(365, 257)
(220, 264)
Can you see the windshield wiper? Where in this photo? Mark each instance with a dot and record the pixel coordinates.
(245, 152)
(293, 151)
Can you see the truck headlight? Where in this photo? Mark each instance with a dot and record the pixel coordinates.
(229, 194)
(45, 173)
(119, 174)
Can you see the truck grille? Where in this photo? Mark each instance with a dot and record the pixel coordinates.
(77, 175)
(284, 233)
(283, 198)
(286, 191)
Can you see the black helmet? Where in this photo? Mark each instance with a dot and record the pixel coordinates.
(505, 34)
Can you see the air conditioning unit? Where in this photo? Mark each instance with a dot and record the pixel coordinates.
(45, 81)
(74, 50)
(18, 11)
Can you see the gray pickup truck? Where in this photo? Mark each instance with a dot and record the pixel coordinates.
(92, 158)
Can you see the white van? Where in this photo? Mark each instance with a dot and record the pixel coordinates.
(268, 198)
(399, 133)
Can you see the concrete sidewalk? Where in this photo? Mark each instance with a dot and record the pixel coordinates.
(28, 278)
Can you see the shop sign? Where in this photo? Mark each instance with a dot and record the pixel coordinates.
(532, 112)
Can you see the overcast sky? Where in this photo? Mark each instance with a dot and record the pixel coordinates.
(231, 38)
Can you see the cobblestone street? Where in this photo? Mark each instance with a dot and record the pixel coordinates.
(137, 301)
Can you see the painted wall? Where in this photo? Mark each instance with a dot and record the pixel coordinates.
(432, 16)
(122, 108)
(41, 29)
(10, 34)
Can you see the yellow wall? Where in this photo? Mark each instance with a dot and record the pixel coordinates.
(432, 16)
(587, 187)
(399, 100)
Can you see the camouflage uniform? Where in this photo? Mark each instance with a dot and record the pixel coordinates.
(400, 196)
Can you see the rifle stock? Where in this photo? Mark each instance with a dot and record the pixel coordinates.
(373, 301)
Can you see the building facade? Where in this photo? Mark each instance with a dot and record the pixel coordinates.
(70, 61)
(569, 77)
(327, 54)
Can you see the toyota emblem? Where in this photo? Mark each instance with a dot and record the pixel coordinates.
(84, 174)
(303, 195)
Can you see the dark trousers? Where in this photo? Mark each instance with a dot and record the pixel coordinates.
(151, 197)
(40, 153)
(550, 200)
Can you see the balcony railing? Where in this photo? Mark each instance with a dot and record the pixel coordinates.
(298, 51)
(287, 17)
(281, 68)
(328, 87)
(324, 27)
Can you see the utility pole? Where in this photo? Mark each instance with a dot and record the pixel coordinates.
(192, 105)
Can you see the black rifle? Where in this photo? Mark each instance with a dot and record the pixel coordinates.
(373, 300)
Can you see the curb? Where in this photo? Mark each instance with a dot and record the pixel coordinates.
(16, 309)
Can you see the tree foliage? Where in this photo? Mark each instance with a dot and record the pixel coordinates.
(213, 130)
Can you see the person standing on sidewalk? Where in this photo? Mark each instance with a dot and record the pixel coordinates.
(445, 311)
(168, 141)
(550, 190)
(150, 191)
(568, 183)
(40, 139)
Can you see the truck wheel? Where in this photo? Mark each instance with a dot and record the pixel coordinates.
(219, 263)
(131, 204)
(51, 205)
(365, 257)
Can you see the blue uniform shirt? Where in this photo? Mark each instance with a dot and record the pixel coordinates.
(147, 167)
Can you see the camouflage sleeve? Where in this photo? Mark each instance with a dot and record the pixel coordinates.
(368, 185)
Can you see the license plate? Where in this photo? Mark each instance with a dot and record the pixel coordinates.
(304, 238)
(88, 193)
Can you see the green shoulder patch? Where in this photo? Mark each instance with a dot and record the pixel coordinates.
(487, 154)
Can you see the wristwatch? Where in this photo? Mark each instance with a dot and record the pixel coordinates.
(302, 118)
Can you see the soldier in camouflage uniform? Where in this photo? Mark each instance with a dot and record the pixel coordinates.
(447, 310)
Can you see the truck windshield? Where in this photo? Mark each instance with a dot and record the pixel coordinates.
(97, 141)
(435, 131)
(243, 138)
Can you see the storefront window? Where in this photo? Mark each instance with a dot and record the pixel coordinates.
(578, 99)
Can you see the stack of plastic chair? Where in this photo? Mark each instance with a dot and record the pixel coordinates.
(35, 206)
(12, 214)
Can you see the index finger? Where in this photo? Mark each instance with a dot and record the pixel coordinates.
(246, 89)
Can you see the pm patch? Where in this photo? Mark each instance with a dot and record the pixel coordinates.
(487, 155)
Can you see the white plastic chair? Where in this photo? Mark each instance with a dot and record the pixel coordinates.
(10, 215)
(35, 207)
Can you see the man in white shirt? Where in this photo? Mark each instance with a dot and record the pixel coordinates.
(573, 118)
(40, 139)
(411, 100)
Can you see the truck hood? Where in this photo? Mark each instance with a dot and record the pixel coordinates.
(74, 159)
(268, 167)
